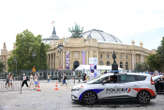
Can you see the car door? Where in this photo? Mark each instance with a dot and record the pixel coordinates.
(110, 89)
(126, 83)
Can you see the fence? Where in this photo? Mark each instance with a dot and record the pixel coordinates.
(16, 86)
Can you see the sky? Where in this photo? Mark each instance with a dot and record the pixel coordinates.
(139, 20)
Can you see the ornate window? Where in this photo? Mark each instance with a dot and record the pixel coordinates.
(101, 56)
(126, 65)
(108, 63)
(107, 56)
(101, 63)
(121, 56)
(121, 65)
(126, 56)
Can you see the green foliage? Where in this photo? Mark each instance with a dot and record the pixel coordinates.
(76, 31)
(152, 61)
(156, 61)
(29, 52)
(141, 67)
(1, 66)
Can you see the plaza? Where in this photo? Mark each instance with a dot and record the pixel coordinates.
(50, 99)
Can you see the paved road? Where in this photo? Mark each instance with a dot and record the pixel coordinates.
(49, 99)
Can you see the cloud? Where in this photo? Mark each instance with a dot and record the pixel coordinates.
(122, 18)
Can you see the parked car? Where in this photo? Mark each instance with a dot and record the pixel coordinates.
(112, 86)
(159, 83)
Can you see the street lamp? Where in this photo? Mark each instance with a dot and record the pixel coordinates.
(15, 60)
(60, 49)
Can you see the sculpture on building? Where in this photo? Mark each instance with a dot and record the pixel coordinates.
(114, 65)
(76, 31)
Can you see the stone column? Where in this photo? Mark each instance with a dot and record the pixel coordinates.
(142, 59)
(133, 61)
(87, 57)
(63, 60)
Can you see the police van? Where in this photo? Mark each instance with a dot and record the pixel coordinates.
(110, 86)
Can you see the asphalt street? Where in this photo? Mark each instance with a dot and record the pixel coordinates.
(50, 99)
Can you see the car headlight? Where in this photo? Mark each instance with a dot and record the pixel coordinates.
(77, 88)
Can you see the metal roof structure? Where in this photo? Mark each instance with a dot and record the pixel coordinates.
(101, 36)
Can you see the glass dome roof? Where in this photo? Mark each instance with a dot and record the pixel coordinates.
(101, 36)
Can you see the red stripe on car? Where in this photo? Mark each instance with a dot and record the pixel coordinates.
(146, 89)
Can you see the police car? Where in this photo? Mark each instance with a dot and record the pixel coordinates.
(110, 85)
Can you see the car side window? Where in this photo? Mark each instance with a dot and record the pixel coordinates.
(140, 78)
(130, 78)
(111, 79)
(100, 80)
(126, 78)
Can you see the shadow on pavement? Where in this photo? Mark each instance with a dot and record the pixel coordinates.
(114, 103)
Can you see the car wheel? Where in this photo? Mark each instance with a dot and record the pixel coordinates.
(89, 98)
(143, 97)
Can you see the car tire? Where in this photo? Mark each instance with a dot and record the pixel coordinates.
(143, 97)
(89, 98)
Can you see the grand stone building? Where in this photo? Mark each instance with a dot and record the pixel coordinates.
(68, 53)
(4, 57)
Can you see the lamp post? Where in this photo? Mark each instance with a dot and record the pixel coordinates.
(15, 60)
(114, 65)
(60, 49)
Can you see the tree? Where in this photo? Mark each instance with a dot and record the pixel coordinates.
(1, 66)
(76, 31)
(141, 67)
(29, 52)
(160, 55)
(152, 62)
(156, 61)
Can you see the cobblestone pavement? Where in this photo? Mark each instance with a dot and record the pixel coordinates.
(50, 99)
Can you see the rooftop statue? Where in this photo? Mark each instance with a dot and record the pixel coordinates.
(76, 31)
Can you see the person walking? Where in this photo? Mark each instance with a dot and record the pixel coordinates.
(79, 77)
(84, 77)
(7, 80)
(64, 78)
(48, 77)
(24, 81)
(10, 80)
(31, 81)
(36, 81)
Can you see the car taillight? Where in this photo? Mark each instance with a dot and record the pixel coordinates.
(152, 82)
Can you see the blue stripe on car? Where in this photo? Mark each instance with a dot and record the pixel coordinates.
(94, 90)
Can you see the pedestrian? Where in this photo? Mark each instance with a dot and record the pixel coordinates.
(7, 81)
(79, 77)
(10, 80)
(84, 77)
(64, 78)
(36, 81)
(32, 81)
(48, 78)
(74, 77)
(24, 81)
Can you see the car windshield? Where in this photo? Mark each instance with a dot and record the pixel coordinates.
(94, 80)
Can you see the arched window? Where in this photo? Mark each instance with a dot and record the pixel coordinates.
(101, 56)
(126, 65)
(107, 56)
(75, 64)
(108, 63)
(101, 63)
(121, 65)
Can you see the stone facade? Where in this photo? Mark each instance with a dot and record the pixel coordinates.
(80, 50)
(4, 57)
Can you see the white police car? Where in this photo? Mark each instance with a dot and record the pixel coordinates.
(109, 86)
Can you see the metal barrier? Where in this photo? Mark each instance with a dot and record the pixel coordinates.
(16, 86)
